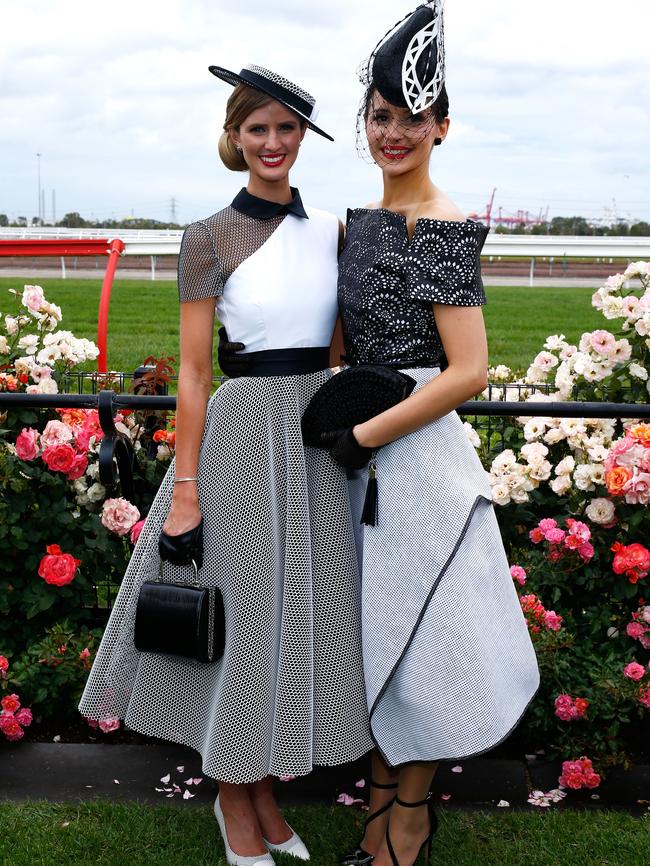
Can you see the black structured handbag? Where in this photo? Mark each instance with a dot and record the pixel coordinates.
(351, 397)
(182, 619)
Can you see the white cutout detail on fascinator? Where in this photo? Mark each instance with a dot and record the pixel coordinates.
(421, 95)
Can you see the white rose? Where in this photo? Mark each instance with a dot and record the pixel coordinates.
(560, 485)
(582, 477)
(47, 386)
(600, 510)
(11, 325)
(502, 462)
(500, 494)
(555, 342)
(4, 345)
(29, 343)
(598, 453)
(48, 355)
(96, 492)
(541, 471)
(554, 435)
(23, 365)
(613, 307)
(472, 435)
(597, 472)
(565, 466)
(638, 371)
(572, 426)
(534, 428)
(636, 269)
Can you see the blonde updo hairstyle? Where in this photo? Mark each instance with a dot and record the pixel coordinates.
(243, 101)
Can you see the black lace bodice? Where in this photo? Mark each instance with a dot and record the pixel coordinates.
(387, 284)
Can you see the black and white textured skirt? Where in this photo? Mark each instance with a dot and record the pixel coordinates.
(449, 664)
(289, 691)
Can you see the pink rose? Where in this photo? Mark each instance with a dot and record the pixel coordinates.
(119, 516)
(59, 458)
(635, 630)
(555, 536)
(564, 708)
(107, 726)
(518, 573)
(547, 523)
(4, 664)
(634, 671)
(578, 528)
(592, 780)
(24, 717)
(10, 703)
(645, 613)
(27, 444)
(93, 723)
(55, 433)
(136, 530)
(10, 728)
(84, 654)
(644, 698)
(78, 467)
(586, 551)
(552, 620)
(602, 342)
(33, 298)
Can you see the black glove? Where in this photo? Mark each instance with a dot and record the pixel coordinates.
(346, 451)
(182, 549)
(231, 361)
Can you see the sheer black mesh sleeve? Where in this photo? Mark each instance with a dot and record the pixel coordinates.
(443, 263)
(200, 271)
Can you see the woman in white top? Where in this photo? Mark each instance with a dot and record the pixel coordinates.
(289, 690)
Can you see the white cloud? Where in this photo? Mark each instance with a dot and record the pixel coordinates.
(549, 103)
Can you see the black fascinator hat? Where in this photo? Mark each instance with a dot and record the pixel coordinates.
(407, 66)
(281, 89)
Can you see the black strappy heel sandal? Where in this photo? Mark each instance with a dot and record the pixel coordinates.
(360, 857)
(433, 821)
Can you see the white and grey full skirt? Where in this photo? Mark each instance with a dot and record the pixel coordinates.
(289, 691)
(449, 664)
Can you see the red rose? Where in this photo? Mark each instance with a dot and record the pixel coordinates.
(58, 568)
(59, 458)
(10, 703)
(4, 664)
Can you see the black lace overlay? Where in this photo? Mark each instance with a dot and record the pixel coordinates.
(387, 284)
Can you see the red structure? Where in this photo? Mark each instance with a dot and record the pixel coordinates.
(111, 248)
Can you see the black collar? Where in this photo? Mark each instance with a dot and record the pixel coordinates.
(260, 208)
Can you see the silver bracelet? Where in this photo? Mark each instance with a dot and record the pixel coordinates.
(189, 478)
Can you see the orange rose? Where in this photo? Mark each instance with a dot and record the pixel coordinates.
(617, 478)
(641, 434)
(160, 436)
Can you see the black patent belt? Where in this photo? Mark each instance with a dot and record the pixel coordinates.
(288, 362)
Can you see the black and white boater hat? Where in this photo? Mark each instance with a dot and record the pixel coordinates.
(407, 66)
(277, 87)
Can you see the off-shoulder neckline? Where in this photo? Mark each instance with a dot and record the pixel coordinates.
(464, 222)
(409, 240)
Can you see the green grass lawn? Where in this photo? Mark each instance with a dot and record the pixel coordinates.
(113, 834)
(143, 317)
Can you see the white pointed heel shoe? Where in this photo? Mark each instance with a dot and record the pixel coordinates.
(294, 846)
(237, 859)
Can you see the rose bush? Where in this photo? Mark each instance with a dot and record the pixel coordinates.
(59, 558)
(573, 499)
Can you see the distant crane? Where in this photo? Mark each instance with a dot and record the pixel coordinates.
(505, 218)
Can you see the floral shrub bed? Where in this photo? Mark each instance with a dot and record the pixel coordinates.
(571, 494)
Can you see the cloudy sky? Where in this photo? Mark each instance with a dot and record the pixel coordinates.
(550, 102)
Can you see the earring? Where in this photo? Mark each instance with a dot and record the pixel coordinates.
(238, 146)
(437, 141)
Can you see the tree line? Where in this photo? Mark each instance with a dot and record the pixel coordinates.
(575, 225)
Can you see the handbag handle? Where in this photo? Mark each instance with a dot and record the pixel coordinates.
(195, 569)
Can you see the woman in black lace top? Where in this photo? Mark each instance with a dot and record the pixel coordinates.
(448, 662)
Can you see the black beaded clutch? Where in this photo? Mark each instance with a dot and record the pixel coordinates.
(182, 619)
(351, 397)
